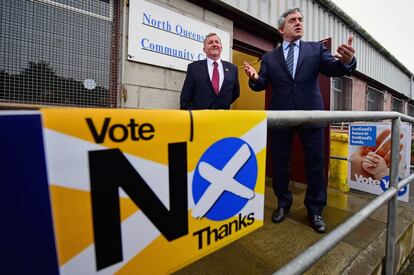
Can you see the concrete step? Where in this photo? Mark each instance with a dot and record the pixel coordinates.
(267, 249)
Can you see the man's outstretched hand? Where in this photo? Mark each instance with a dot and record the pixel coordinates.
(250, 71)
(345, 52)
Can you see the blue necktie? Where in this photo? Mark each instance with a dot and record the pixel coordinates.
(289, 58)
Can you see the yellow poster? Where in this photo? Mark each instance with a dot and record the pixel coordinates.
(131, 187)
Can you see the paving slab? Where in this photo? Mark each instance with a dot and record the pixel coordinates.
(335, 261)
(297, 204)
(272, 246)
(231, 259)
(277, 244)
(354, 201)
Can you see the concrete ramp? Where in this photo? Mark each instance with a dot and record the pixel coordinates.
(274, 245)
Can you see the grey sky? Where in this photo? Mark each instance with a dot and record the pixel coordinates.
(390, 22)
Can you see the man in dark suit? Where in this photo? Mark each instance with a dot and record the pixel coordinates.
(292, 71)
(211, 83)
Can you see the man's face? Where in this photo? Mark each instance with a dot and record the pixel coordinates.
(212, 47)
(293, 28)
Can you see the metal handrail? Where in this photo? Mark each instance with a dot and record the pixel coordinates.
(292, 118)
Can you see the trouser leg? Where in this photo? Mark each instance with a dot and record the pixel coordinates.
(281, 149)
(312, 140)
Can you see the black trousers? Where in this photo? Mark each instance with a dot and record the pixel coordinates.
(312, 140)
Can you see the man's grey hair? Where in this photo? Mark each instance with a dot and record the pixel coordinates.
(282, 18)
(210, 35)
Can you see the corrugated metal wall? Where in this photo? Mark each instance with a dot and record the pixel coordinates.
(320, 24)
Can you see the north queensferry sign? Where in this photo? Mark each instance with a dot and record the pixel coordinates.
(161, 37)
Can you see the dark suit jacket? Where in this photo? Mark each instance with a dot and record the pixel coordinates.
(198, 93)
(301, 93)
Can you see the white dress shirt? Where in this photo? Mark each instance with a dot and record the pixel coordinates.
(210, 68)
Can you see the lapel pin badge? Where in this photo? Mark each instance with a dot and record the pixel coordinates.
(227, 69)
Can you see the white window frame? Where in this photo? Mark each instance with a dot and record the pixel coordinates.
(381, 101)
(347, 102)
(410, 106)
(396, 99)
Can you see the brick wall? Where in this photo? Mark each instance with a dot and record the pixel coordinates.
(359, 88)
(387, 101)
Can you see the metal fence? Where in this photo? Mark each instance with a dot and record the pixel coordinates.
(59, 52)
(305, 260)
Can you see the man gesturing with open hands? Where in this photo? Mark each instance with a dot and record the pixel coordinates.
(292, 71)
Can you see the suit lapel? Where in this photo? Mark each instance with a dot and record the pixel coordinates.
(226, 72)
(302, 50)
(282, 61)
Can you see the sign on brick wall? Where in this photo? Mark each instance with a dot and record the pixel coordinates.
(166, 38)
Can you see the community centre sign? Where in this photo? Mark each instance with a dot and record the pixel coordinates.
(166, 38)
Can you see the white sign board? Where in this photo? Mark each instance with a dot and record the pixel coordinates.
(168, 39)
(370, 157)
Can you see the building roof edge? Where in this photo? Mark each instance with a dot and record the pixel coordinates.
(330, 6)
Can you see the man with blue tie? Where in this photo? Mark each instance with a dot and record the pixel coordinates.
(211, 83)
(292, 71)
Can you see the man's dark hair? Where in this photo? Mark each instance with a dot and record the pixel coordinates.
(282, 18)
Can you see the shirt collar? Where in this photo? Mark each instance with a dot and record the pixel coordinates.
(286, 44)
(210, 61)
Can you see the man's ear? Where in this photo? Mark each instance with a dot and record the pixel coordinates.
(281, 31)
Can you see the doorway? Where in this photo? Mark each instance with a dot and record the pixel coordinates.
(248, 100)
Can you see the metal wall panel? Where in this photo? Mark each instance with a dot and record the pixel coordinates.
(320, 24)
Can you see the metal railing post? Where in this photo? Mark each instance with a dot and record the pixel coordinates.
(392, 203)
(292, 118)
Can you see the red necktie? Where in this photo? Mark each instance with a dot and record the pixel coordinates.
(215, 78)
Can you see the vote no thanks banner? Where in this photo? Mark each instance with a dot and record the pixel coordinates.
(147, 191)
